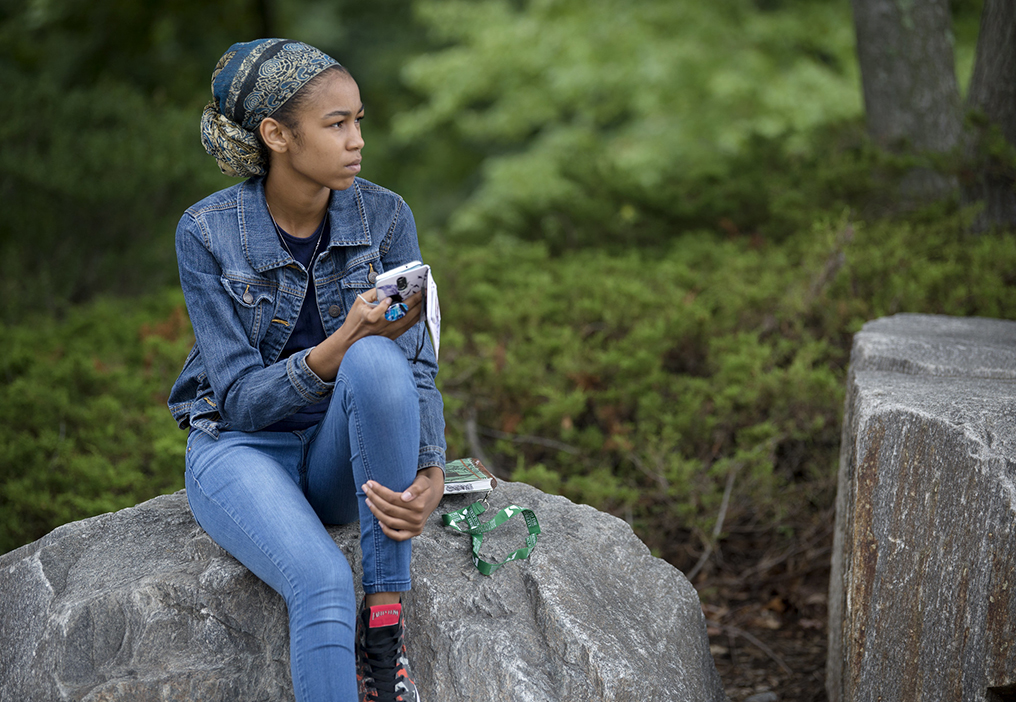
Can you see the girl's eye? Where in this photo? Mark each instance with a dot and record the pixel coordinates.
(342, 123)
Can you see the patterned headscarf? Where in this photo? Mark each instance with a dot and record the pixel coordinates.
(251, 81)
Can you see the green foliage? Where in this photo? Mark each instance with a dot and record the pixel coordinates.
(638, 383)
(83, 423)
(966, 25)
(100, 176)
(99, 149)
(676, 224)
(928, 266)
(158, 47)
(601, 116)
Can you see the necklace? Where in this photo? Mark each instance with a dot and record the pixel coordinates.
(282, 236)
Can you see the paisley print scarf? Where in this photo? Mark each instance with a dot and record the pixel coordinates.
(251, 81)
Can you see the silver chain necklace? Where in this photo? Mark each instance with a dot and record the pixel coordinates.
(282, 238)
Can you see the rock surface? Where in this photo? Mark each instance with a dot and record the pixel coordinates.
(924, 557)
(141, 605)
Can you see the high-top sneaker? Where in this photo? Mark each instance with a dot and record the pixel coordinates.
(382, 668)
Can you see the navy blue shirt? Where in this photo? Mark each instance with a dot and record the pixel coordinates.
(308, 330)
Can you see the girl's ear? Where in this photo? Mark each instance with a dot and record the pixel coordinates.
(275, 135)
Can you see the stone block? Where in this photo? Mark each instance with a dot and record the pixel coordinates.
(924, 556)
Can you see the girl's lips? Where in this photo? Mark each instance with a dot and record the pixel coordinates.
(354, 167)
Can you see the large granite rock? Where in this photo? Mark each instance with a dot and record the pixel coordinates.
(924, 558)
(142, 605)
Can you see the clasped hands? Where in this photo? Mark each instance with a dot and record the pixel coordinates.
(402, 515)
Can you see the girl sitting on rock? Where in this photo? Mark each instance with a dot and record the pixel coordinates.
(308, 401)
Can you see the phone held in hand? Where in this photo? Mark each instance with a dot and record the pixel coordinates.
(407, 280)
(402, 282)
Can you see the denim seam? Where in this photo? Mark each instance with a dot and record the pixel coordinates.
(386, 243)
(355, 263)
(206, 236)
(297, 385)
(260, 547)
(216, 207)
(316, 382)
(255, 327)
(360, 208)
(361, 444)
(198, 217)
(389, 586)
(431, 456)
(181, 407)
(252, 280)
(304, 460)
(375, 533)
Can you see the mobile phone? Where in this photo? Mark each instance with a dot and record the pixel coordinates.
(402, 282)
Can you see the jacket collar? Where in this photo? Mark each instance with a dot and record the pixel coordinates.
(347, 224)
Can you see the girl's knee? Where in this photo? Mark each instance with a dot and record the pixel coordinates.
(375, 351)
(329, 577)
(375, 367)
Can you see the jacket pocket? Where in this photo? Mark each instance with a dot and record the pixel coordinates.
(254, 302)
(361, 273)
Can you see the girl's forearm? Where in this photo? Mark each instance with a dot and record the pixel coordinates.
(325, 358)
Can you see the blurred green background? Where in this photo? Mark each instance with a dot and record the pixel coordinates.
(655, 226)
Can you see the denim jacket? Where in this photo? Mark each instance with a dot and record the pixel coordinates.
(244, 292)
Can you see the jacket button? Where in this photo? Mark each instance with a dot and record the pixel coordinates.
(372, 275)
(334, 311)
(248, 298)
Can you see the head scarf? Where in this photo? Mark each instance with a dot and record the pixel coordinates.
(251, 81)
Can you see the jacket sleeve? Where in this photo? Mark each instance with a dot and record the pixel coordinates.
(402, 246)
(249, 395)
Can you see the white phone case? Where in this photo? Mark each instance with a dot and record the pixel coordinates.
(402, 282)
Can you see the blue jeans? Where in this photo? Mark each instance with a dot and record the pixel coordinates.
(265, 497)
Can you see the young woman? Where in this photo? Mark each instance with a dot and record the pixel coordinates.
(309, 402)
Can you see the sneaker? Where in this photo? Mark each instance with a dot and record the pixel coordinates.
(382, 668)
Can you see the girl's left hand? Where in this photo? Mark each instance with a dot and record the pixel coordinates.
(403, 514)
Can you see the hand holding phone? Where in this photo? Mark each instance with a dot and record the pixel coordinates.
(399, 283)
(407, 280)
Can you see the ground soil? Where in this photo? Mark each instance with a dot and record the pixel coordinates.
(766, 613)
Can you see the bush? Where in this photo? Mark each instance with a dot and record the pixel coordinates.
(96, 205)
(638, 383)
(617, 119)
(642, 383)
(83, 424)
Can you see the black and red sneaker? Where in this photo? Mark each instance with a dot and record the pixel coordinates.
(382, 668)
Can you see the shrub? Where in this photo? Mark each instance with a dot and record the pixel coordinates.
(642, 383)
(647, 383)
(83, 423)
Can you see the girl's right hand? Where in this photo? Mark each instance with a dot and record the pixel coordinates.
(364, 319)
(368, 319)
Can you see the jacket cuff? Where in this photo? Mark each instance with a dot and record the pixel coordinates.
(304, 380)
(431, 456)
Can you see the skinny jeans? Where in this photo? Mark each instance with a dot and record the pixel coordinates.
(265, 497)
